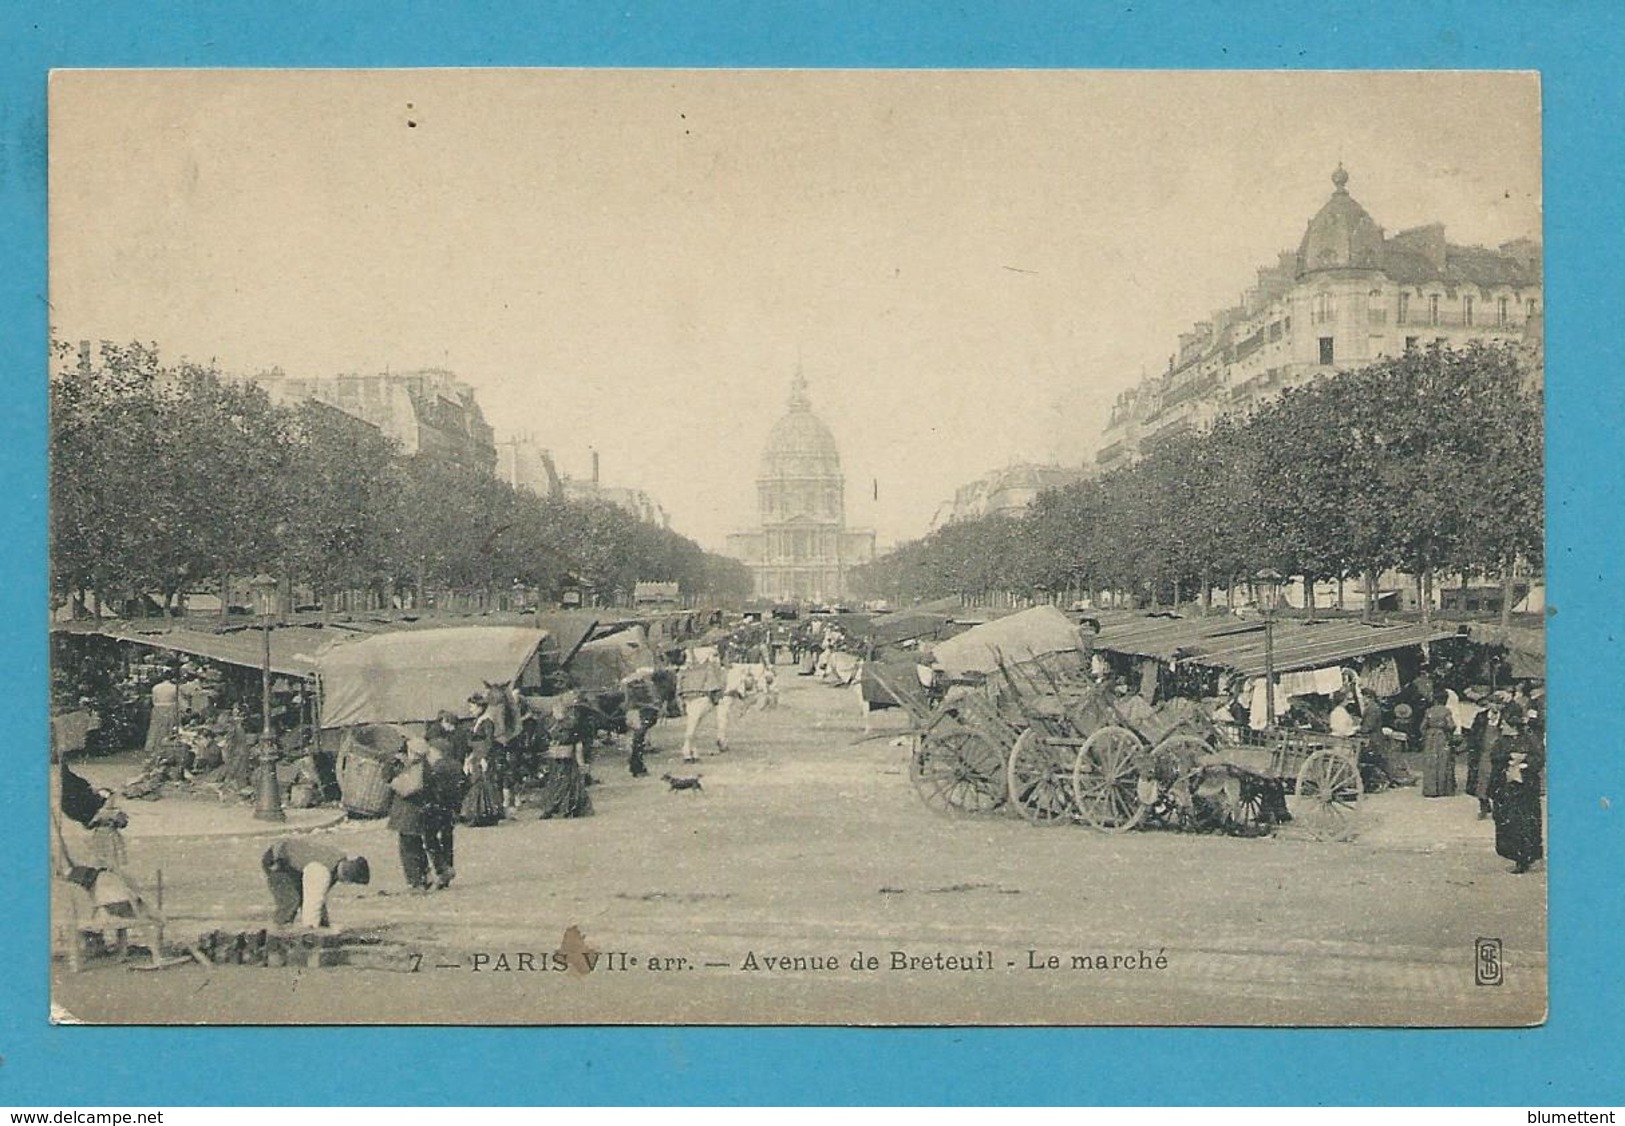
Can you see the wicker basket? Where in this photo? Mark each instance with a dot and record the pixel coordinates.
(361, 784)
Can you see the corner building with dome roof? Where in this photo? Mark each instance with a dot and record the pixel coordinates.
(802, 548)
(1349, 296)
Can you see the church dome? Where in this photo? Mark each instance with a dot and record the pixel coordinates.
(800, 445)
(1342, 235)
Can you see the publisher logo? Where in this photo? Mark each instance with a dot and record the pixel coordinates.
(1487, 966)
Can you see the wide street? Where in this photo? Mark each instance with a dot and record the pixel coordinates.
(809, 844)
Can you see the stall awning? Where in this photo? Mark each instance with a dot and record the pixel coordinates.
(1020, 637)
(292, 647)
(1166, 637)
(411, 676)
(1525, 647)
(1223, 641)
(1313, 645)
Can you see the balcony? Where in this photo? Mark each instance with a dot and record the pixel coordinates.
(1482, 322)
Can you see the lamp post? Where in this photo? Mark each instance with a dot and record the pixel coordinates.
(267, 791)
(1267, 590)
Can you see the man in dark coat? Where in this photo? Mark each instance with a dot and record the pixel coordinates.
(300, 872)
(445, 785)
(1515, 788)
(407, 775)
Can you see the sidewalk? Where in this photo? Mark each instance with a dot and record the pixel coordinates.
(188, 817)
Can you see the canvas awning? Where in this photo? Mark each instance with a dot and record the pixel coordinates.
(411, 676)
(908, 625)
(1525, 648)
(1014, 639)
(602, 663)
(291, 646)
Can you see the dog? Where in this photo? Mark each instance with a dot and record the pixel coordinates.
(683, 782)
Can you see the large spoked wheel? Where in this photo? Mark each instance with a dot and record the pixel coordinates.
(1169, 779)
(1106, 781)
(959, 771)
(1040, 780)
(1328, 787)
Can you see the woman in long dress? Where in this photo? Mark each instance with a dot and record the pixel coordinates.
(1438, 749)
(564, 788)
(1520, 758)
(165, 719)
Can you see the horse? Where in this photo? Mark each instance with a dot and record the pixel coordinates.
(505, 737)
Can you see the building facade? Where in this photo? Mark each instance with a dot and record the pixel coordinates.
(801, 549)
(1005, 491)
(1349, 295)
(639, 503)
(430, 413)
(525, 463)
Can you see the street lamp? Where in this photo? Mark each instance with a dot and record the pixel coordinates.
(1267, 590)
(267, 792)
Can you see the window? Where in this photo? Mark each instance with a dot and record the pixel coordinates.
(1410, 344)
(1534, 307)
(1375, 310)
(1325, 309)
(1404, 307)
(1326, 349)
(1275, 331)
(1501, 312)
(1467, 309)
(1433, 308)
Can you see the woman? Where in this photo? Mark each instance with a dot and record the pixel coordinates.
(1482, 741)
(1520, 757)
(564, 789)
(482, 800)
(165, 719)
(1438, 748)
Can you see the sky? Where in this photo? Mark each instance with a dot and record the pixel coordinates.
(967, 266)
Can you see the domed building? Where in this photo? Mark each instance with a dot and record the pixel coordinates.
(1351, 295)
(801, 549)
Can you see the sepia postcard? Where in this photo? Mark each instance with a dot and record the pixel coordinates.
(755, 547)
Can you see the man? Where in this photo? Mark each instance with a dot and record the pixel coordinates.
(300, 872)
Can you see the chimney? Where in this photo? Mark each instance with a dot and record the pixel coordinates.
(595, 469)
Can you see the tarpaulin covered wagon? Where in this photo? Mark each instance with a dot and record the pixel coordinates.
(376, 690)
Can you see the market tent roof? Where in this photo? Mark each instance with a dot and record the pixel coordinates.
(1313, 645)
(1168, 637)
(1525, 646)
(1019, 637)
(574, 628)
(604, 661)
(291, 646)
(907, 625)
(411, 676)
(1223, 641)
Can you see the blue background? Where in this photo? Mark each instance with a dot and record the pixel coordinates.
(1575, 1058)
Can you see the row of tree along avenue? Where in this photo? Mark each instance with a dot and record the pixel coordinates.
(1429, 463)
(167, 478)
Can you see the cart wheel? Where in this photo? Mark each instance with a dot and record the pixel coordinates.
(1106, 779)
(1169, 781)
(958, 770)
(1328, 786)
(1040, 780)
(1249, 809)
